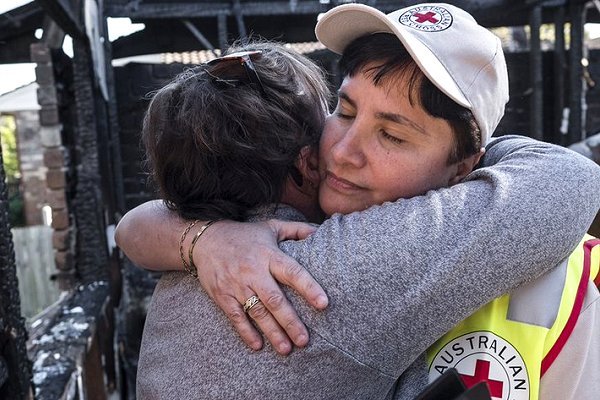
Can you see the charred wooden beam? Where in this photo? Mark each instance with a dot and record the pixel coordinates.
(91, 256)
(17, 49)
(536, 73)
(17, 28)
(590, 148)
(64, 345)
(54, 35)
(67, 14)
(20, 21)
(198, 35)
(576, 82)
(114, 183)
(210, 9)
(239, 18)
(3, 372)
(13, 335)
(559, 61)
(488, 13)
(222, 30)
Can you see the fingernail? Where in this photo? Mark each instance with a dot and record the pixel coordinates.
(302, 340)
(322, 301)
(284, 348)
(256, 346)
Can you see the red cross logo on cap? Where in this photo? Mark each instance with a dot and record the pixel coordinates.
(427, 17)
(482, 374)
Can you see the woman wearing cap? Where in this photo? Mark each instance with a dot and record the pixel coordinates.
(381, 316)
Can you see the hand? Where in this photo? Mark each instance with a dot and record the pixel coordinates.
(237, 260)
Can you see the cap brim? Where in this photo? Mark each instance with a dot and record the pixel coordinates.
(337, 28)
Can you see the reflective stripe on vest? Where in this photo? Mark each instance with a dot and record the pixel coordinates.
(511, 341)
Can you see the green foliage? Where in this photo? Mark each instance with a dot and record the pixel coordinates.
(9, 148)
(10, 158)
(16, 215)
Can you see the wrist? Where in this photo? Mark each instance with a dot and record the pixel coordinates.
(192, 269)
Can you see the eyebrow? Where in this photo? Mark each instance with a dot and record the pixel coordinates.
(392, 117)
(399, 119)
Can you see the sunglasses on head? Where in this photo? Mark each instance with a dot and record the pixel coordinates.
(220, 66)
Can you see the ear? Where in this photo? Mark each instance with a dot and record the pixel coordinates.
(464, 167)
(308, 165)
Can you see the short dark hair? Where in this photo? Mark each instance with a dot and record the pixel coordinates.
(384, 58)
(216, 149)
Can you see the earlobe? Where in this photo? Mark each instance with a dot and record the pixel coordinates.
(308, 165)
(464, 167)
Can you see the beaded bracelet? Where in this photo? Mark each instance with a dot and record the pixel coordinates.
(192, 267)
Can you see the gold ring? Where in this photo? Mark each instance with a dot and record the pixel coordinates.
(251, 302)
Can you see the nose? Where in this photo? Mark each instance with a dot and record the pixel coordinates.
(348, 149)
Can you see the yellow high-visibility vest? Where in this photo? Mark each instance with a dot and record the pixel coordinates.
(513, 340)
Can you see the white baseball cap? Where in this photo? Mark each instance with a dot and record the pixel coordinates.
(462, 58)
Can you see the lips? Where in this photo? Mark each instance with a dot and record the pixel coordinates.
(340, 184)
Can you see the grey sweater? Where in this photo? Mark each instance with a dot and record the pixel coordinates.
(398, 276)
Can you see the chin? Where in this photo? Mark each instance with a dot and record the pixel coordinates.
(333, 203)
(334, 208)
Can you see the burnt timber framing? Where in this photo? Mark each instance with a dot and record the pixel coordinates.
(67, 14)
(15, 369)
(91, 136)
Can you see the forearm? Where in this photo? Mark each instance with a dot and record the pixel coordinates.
(406, 272)
(149, 236)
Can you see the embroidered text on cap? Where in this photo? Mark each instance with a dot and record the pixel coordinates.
(427, 18)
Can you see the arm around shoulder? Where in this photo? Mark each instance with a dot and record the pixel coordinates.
(148, 235)
(557, 188)
(410, 270)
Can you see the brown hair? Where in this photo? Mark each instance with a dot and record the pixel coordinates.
(387, 59)
(218, 146)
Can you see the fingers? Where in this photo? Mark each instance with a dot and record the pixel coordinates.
(289, 272)
(276, 317)
(291, 230)
(230, 277)
(238, 318)
(270, 328)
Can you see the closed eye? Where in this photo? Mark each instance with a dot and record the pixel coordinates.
(391, 138)
(341, 115)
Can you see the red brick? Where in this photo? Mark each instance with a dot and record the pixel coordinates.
(60, 219)
(49, 116)
(56, 199)
(54, 157)
(44, 74)
(61, 239)
(46, 96)
(64, 260)
(50, 136)
(40, 53)
(55, 178)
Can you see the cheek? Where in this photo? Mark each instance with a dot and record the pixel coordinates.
(329, 202)
(408, 178)
(328, 139)
(432, 176)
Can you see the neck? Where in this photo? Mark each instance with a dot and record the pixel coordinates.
(306, 202)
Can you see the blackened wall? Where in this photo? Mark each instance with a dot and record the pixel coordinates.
(516, 119)
(135, 82)
(593, 94)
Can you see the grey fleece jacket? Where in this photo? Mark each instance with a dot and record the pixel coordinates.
(398, 276)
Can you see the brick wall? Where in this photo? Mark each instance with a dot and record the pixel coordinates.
(33, 170)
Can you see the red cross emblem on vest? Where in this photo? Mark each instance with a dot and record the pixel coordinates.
(482, 374)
